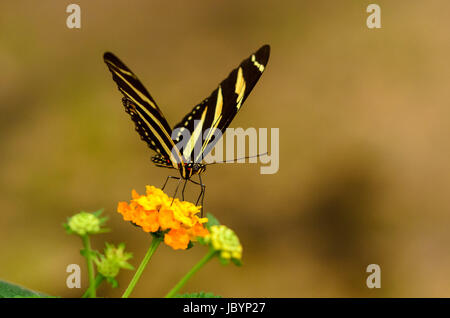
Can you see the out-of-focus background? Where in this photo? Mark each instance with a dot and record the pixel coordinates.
(364, 121)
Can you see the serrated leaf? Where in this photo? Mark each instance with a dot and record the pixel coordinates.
(9, 290)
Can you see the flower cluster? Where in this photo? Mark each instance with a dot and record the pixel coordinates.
(157, 212)
(226, 242)
(85, 223)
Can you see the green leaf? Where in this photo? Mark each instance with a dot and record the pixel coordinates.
(67, 228)
(113, 282)
(201, 240)
(92, 253)
(158, 234)
(236, 262)
(198, 295)
(190, 245)
(224, 261)
(9, 290)
(98, 212)
(211, 220)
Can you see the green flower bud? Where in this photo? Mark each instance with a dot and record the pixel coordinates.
(113, 259)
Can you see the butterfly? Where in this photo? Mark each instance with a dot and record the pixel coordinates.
(214, 114)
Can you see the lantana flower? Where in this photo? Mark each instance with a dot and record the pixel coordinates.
(226, 242)
(222, 242)
(85, 223)
(157, 213)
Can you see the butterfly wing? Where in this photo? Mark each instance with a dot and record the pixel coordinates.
(218, 110)
(150, 122)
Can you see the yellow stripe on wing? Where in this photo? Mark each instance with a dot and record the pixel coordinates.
(216, 121)
(195, 135)
(138, 92)
(161, 141)
(153, 118)
(240, 88)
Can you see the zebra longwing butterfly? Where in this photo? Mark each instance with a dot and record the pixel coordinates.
(214, 113)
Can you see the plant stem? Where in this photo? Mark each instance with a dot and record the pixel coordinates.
(153, 246)
(189, 274)
(98, 280)
(90, 265)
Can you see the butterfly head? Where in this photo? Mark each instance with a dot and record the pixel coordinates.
(194, 168)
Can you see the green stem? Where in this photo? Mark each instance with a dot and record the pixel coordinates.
(189, 274)
(90, 265)
(137, 275)
(98, 280)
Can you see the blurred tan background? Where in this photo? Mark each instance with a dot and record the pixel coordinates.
(364, 122)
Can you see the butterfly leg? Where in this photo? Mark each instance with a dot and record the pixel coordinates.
(202, 192)
(184, 187)
(169, 177)
(176, 190)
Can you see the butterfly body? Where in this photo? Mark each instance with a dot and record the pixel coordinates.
(204, 123)
(191, 168)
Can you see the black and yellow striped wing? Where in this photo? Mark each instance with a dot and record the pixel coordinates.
(148, 118)
(218, 110)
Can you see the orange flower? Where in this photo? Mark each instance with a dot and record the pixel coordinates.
(149, 221)
(177, 239)
(125, 210)
(166, 219)
(199, 230)
(157, 212)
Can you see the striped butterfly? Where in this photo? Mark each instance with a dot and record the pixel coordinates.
(213, 114)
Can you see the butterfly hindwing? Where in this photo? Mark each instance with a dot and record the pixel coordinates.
(161, 161)
(148, 118)
(218, 110)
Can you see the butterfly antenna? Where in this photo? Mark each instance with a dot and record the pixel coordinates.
(234, 160)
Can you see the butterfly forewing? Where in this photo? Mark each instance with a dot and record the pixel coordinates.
(148, 118)
(219, 109)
